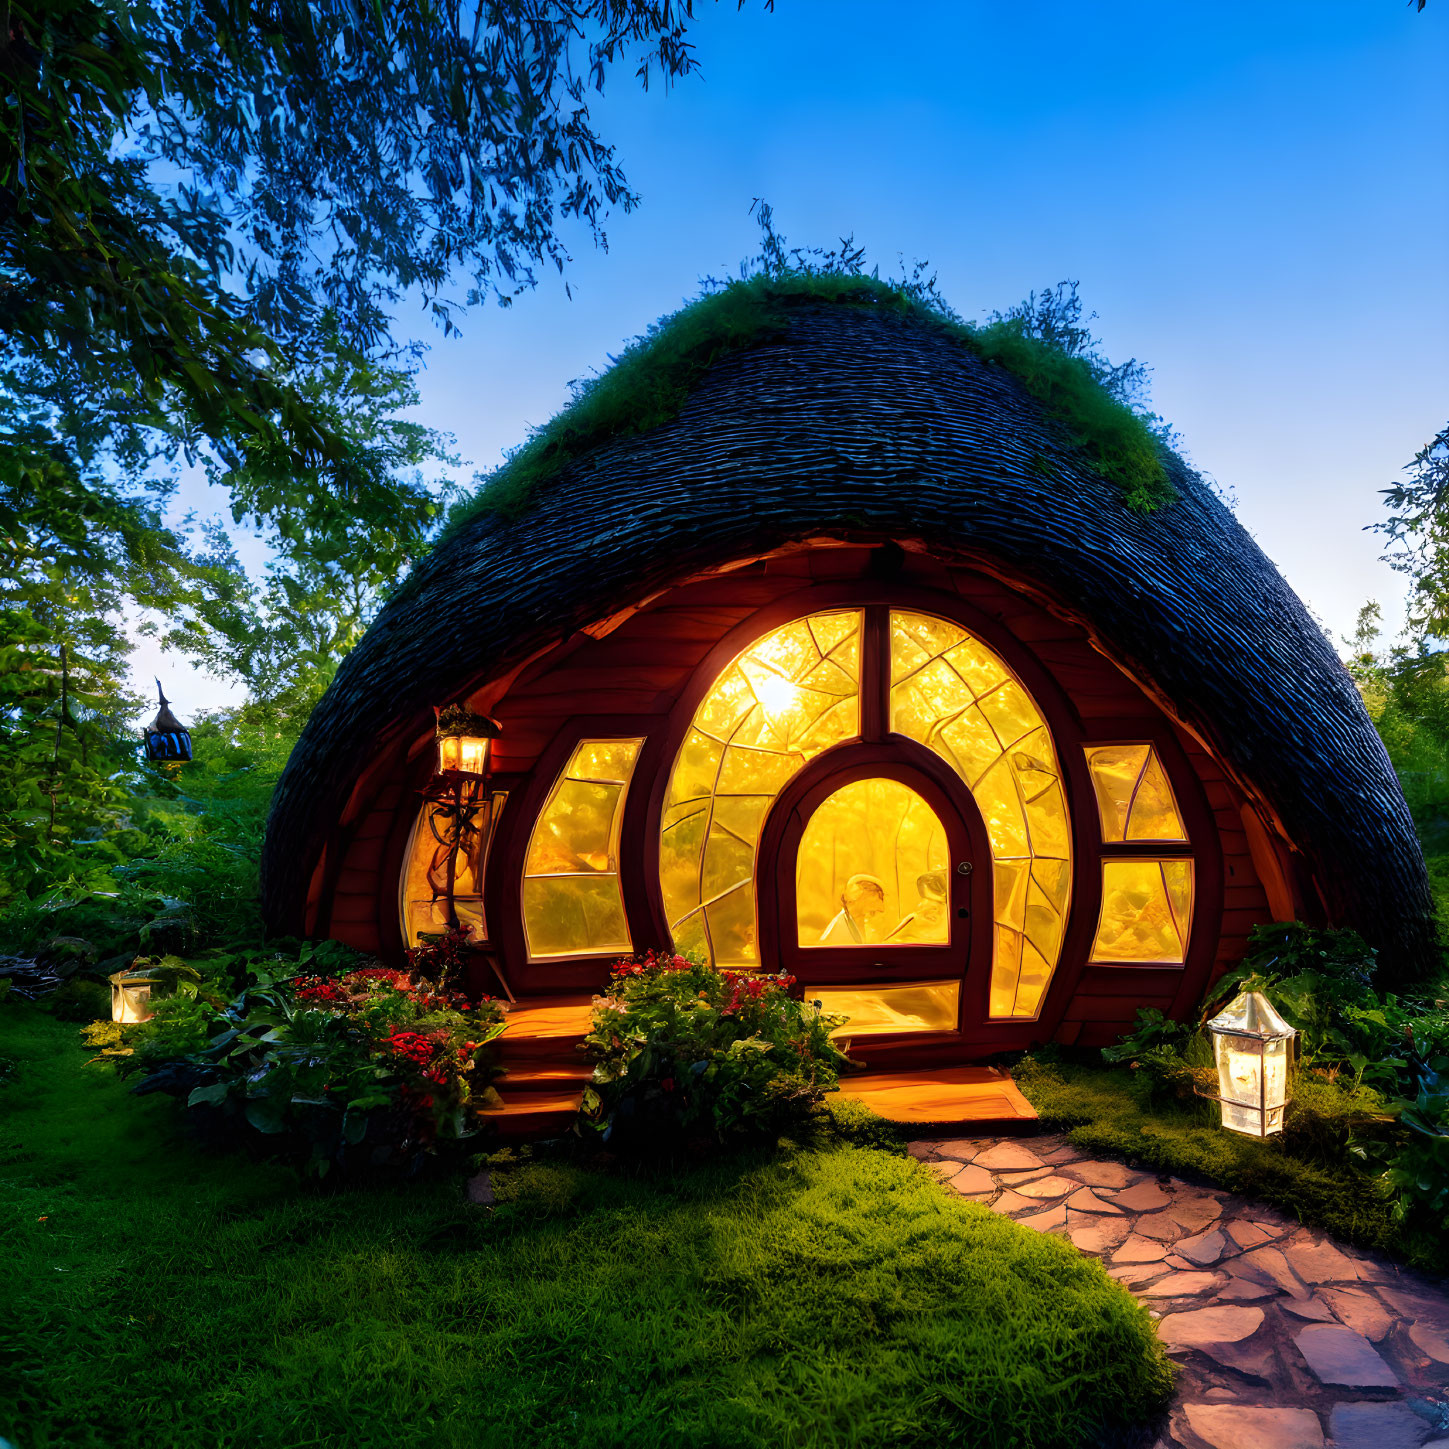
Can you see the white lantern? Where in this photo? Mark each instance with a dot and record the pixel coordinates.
(1252, 1047)
(130, 996)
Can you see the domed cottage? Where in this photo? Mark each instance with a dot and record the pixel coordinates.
(854, 662)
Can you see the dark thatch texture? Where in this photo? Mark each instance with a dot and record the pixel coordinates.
(863, 420)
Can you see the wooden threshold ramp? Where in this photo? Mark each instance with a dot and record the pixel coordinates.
(982, 1098)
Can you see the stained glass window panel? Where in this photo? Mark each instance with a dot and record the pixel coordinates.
(922, 1006)
(572, 901)
(955, 695)
(781, 702)
(1146, 911)
(1134, 798)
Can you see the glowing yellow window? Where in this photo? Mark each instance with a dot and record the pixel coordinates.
(955, 695)
(1146, 911)
(899, 1007)
(780, 703)
(423, 895)
(872, 869)
(1134, 798)
(572, 902)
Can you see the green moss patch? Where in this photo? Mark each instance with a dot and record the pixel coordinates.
(649, 382)
(831, 1295)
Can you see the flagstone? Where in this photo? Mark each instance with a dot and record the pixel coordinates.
(1134, 1275)
(1430, 1340)
(1173, 1261)
(1268, 1265)
(1006, 1157)
(1084, 1200)
(944, 1170)
(1309, 1308)
(1013, 1202)
(1248, 1235)
(1361, 1311)
(1063, 1154)
(1046, 1222)
(1047, 1187)
(1159, 1225)
(1093, 1234)
(963, 1149)
(921, 1150)
(1244, 1290)
(1417, 1306)
(1376, 1426)
(1140, 1250)
(1180, 1285)
(1103, 1174)
(1015, 1179)
(1204, 1249)
(1320, 1262)
(1222, 1323)
(1338, 1355)
(1254, 1359)
(972, 1179)
(1250, 1426)
(1195, 1213)
(1145, 1197)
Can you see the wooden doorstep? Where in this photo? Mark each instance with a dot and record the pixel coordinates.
(978, 1097)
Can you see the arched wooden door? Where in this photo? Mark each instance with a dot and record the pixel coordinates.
(874, 890)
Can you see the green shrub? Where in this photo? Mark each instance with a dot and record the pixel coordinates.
(79, 999)
(685, 1051)
(372, 1067)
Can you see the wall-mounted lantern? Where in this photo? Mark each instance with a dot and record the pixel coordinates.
(166, 737)
(461, 813)
(130, 995)
(1252, 1046)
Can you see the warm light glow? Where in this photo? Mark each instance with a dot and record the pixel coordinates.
(1251, 1049)
(468, 753)
(780, 703)
(920, 1006)
(130, 998)
(1134, 798)
(873, 869)
(956, 696)
(572, 901)
(1146, 911)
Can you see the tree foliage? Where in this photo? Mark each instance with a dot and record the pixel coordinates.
(1418, 533)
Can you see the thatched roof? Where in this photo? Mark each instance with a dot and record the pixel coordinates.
(863, 421)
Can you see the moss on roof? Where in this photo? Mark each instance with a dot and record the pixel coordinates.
(654, 375)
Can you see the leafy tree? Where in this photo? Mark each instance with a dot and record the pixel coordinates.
(1418, 533)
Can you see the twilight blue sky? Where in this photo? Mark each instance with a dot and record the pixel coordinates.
(1254, 198)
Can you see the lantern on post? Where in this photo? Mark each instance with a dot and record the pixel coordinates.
(461, 813)
(130, 995)
(1252, 1048)
(166, 737)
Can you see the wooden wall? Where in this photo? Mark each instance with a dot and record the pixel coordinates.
(638, 664)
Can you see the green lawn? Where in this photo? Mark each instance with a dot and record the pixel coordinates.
(831, 1295)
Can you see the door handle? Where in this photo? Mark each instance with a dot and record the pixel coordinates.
(964, 868)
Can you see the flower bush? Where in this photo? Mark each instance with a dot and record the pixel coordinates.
(685, 1051)
(374, 1066)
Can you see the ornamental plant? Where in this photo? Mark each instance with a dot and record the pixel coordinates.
(684, 1051)
(376, 1066)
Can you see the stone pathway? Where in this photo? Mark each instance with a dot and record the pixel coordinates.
(1283, 1339)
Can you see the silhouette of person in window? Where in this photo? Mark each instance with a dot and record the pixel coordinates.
(862, 905)
(925, 922)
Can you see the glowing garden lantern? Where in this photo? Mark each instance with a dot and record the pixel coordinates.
(1252, 1046)
(463, 741)
(130, 995)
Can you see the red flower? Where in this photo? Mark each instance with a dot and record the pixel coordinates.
(668, 1084)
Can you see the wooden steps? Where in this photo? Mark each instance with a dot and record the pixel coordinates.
(544, 1071)
(985, 1099)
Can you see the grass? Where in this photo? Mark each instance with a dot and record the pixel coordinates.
(650, 380)
(832, 1295)
(1305, 1172)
